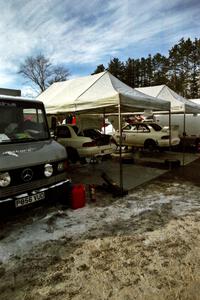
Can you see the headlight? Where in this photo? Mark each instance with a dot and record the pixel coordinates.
(48, 170)
(4, 179)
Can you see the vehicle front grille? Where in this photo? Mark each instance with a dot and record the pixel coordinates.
(36, 171)
(32, 185)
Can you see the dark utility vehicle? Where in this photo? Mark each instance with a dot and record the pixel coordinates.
(32, 165)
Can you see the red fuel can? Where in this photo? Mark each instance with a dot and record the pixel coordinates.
(78, 196)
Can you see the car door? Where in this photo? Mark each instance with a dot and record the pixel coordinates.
(129, 135)
(136, 134)
(143, 133)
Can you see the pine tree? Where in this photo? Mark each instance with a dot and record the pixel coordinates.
(149, 71)
(180, 70)
(195, 70)
(116, 68)
(129, 72)
(99, 69)
(159, 69)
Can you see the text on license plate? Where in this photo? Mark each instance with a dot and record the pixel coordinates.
(29, 199)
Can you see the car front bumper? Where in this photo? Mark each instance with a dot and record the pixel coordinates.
(166, 143)
(56, 192)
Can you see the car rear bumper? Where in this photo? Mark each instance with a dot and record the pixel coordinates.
(95, 151)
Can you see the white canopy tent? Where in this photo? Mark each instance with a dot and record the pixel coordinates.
(178, 103)
(197, 101)
(99, 93)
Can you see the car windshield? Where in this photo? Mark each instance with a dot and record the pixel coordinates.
(92, 133)
(155, 126)
(22, 121)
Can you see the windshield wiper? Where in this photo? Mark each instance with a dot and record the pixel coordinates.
(27, 139)
(5, 141)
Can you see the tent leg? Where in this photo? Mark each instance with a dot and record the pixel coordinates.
(184, 134)
(170, 131)
(104, 125)
(120, 150)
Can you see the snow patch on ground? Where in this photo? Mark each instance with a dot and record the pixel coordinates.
(179, 198)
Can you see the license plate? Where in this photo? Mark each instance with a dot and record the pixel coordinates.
(29, 199)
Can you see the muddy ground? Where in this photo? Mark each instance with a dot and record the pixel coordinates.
(143, 246)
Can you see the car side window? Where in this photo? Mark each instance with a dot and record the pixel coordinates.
(156, 127)
(134, 128)
(127, 127)
(140, 128)
(145, 128)
(63, 132)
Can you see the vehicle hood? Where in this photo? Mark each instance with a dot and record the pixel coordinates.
(28, 154)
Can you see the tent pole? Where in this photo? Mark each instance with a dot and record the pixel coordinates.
(184, 135)
(170, 130)
(120, 149)
(104, 125)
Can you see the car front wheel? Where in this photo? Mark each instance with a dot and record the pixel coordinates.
(150, 145)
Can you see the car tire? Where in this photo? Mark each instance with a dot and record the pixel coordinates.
(72, 155)
(150, 145)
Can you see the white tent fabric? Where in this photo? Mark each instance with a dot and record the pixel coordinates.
(100, 93)
(178, 103)
(197, 101)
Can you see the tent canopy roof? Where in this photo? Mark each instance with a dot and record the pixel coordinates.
(101, 93)
(178, 103)
(197, 100)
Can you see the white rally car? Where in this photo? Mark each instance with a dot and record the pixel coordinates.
(148, 135)
(88, 143)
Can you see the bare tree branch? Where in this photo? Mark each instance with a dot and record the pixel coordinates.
(40, 71)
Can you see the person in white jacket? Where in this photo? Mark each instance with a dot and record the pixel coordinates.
(108, 129)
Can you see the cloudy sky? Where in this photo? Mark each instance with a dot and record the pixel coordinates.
(85, 33)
